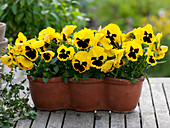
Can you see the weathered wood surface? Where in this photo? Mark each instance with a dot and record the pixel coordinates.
(152, 111)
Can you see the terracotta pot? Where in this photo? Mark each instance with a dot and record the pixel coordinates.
(54, 95)
(88, 95)
(122, 95)
(2, 31)
(3, 46)
(118, 95)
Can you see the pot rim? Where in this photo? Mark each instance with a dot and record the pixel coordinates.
(109, 80)
(40, 79)
(119, 81)
(5, 40)
(2, 24)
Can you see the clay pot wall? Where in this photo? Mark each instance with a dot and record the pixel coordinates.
(118, 95)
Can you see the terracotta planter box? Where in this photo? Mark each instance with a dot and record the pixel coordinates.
(118, 95)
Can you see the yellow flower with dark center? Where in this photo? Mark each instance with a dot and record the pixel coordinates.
(24, 63)
(21, 38)
(159, 50)
(150, 58)
(97, 39)
(97, 56)
(133, 50)
(55, 38)
(113, 33)
(7, 60)
(65, 53)
(108, 66)
(30, 52)
(148, 36)
(67, 31)
(84, 38)
(45, 33)
(118, 60)
(80, 62)
(47, 55)
(135, 34)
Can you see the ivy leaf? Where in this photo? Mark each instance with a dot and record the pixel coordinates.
(133, 80)
(14, 9)
(56, 69)
(87, 74)
(45, 80)
(67, 74)
(54, 60)
(65, 80)
(16, 118)
(10, 121)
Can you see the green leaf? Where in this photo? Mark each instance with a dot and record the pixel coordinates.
(16, 92)
(10, 121)
(29, 2)
(20, 16)
(146, 76)
(54, 60)
(26, 114)
(55, 16)
(14, 9)
(4, 6)
(23, 81)
(16, 118)
(56, 69)
(87, 74)
(22, 3)
(133, 80)
(45, 80)
(67, 74)
(65, 80)
(22, 87)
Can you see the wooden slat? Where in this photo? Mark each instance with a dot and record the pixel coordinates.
(102, 119)
(25, 123)
(56, 119)
(162, 112)
(146, 107)
(117, 120)
(133, 119)
(156, 80)
(41, 119)
(76, 119)
(167, 91)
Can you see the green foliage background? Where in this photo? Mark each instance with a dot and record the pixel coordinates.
(31, 16)
(128, 14)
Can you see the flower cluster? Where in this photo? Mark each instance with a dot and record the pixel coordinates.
(106, 50)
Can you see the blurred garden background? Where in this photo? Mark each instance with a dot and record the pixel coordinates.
(31, 16)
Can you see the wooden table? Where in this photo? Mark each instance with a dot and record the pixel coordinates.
(152, 111)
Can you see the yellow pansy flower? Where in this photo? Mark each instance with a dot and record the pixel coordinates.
(67, 31)
(47, 55)
(97, 56)
(65, 53)
(113, 33)
(159, 50)
(21, 38)
(148, 36)
(150, 57)
(108, 66)
(30, 52)
(24, 63)
(80, 61)
(135, 34)
(133, 50)
(118, 60)
(84, 38)
(55, 38)
(7, 60)
(45, 33)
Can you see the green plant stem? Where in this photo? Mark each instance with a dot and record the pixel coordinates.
(116, 73)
